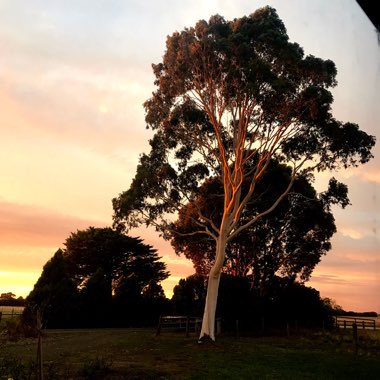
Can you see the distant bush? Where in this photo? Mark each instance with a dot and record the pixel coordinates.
(8, 299)
(371, 314)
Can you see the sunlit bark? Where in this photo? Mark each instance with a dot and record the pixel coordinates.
(208, 322)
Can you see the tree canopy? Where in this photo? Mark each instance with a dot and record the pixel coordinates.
(117, 255)
(230, 97)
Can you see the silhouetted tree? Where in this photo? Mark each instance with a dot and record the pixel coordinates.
(128, 307)
(55, 295)
(117, 255)
(7, 296)
(98, 280)
(291, 302)
(154, 303)
(189, 296)
(9, 299)
(96, 301)
(332, 307)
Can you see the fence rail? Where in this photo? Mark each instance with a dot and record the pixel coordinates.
(349, 322)
(10, 309)
(181, 322)
(10, 312)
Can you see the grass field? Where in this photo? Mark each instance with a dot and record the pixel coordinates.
(139, 354)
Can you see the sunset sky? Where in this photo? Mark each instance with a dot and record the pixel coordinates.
(73, 77)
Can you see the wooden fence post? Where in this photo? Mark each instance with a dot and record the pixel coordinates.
(355, 336)
(159, 326)
(218, 326)
(40, 374)
(187, 326)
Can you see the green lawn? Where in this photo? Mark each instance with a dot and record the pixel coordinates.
(139, 354)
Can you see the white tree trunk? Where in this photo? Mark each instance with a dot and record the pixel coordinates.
(208, 322)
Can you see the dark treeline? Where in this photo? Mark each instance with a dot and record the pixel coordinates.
(65, 306)
(371, 314)
(9, 299)
(286, 302)
(104, 278)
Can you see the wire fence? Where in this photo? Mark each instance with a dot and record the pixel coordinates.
(7, 312)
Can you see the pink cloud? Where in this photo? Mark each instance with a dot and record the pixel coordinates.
(26, 225)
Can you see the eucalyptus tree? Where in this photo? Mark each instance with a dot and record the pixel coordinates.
(230, 96)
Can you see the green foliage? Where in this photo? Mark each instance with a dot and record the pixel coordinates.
(230, 95)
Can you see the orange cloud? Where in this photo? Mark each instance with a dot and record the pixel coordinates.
(351, 292)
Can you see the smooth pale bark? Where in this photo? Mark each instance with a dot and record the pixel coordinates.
(208, 321)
